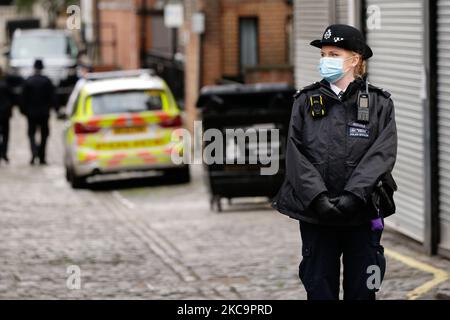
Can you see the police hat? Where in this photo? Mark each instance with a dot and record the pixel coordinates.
(346, 37)
(38, 64)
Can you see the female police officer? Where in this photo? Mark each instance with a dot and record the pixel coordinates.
(342, 141)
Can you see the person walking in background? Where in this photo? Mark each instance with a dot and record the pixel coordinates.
(38, 97)
(6, 105)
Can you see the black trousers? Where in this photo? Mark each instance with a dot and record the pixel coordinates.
(4, 137)
(363, 261)
(35, 124)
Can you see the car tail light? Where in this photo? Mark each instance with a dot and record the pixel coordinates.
(81, 128)
(174, 122)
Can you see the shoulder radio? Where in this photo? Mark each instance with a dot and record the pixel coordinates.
(363, 105)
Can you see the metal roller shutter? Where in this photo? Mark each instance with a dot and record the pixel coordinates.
(443, 39)
(397, 66)
(311, 19)
(342, 11)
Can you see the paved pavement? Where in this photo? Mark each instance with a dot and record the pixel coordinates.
(154, 240)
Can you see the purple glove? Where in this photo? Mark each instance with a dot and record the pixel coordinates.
(377, 224)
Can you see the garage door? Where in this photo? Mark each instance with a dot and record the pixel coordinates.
(342, 11)
(443, 37)
(397, 66)
(311, 19)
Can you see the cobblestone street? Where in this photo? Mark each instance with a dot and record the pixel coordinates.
(154, 240)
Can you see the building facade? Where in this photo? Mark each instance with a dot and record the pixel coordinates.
(8, 12)
(244, 41)
(216, 42)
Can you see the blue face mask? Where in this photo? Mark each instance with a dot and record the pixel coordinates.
(332, 69)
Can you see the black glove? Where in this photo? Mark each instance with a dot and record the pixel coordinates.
(348, 203)
(325, 209)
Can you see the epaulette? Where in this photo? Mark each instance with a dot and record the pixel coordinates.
(380, 90)
(315, 85)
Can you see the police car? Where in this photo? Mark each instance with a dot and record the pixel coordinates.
(120, 122)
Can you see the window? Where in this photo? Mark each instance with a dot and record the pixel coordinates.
(128, 101)
(248, 42)
(162, 39)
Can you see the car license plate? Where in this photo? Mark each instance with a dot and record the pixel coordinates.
(130, 130)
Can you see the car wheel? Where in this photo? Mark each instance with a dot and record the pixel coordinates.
(75, 181)
(78, 182)
(180, 175)
(67, 174)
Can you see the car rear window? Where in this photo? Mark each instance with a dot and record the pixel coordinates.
(128, 101)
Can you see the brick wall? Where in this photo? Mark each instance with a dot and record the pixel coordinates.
(272, 40)
(219, 53)
(280, 73)
(220, 43)
(119, 23)
(212, 44)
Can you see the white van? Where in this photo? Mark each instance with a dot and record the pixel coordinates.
(56, 48)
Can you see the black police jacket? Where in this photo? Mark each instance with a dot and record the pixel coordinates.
(335, 153)
(38, 96)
